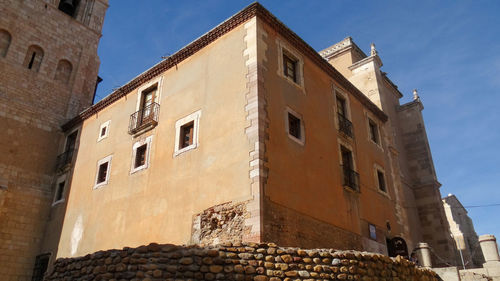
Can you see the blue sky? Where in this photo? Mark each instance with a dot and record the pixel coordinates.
(448, 50)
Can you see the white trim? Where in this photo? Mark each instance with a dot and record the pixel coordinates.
(147, 141)
(300, 64)
(195, 118)
(157, 82)
(99, 163)
(377, 168)
(58, 182)
(302, 139)
(103, 125)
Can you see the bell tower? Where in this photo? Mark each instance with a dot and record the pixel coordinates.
(49, 67)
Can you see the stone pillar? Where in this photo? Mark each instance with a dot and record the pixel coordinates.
(424, 255)
(489, 247)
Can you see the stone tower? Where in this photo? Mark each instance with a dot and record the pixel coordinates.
(48, 66)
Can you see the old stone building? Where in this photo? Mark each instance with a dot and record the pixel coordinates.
(246, 134)
(462, 230)
(48, 72)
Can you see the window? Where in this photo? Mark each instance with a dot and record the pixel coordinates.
(380, 179)
(66, 157)
(349, 177)
(148, 110)
(103, 170)
(344, 125)
(63, 71)
(60, 190)
(373, 231)
(373, 131)
(69, 7)
(289, 67)
(294, 126)
(5, 39)
(103, 130)
(140, 154)
(33, 58)
(41, 265)
(186, 133)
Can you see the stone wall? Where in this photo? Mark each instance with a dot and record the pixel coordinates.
(236, 261)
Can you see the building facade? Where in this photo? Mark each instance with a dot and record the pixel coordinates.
(462, 231)
(48, 66)
(246, 134)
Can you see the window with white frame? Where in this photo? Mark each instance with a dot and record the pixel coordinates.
(290, 64)
(294, 126)
(186, 133)
(380, 178)
(140, 154)
(103, 171)
(103, 130)
(60, 190)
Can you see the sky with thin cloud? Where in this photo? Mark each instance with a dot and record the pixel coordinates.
(448, 50)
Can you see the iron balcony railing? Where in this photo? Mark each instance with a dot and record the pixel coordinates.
(345, 126)
(350, 178)
(64, 159)
(144, 118)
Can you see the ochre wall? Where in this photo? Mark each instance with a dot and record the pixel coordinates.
(305, 181)
(158, 204)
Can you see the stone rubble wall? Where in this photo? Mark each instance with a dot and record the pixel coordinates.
(236, 261)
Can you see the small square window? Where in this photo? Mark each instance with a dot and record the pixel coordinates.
(294, 126)
(186, 135)
(381, 181)
(103, 170)
(140, 154)
(373, 131)
(290, 67)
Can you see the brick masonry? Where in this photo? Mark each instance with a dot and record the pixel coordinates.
(236, 261)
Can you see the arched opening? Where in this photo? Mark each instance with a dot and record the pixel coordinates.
(63, 71)
(5, 39)
(69, 7)
(34, 58)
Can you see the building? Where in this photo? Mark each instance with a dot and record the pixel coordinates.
(462, 231)
(246, 134)
(48, 66)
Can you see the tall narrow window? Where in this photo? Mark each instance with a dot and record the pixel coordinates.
(59, 196)
(186, 135)
(341, 107)
(33, 58)
(381, 181)
(373, 129)
(345, 126)
(63, 71)
(5, 39)
(41, 265)
(103, 170)
(349, 177)
(290, 67)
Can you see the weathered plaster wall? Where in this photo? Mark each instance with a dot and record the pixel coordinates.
(33, 106)
(249, 261)
(306, 179)
(158, 203)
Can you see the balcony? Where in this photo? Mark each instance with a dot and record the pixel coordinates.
(345, 126)
(144, 119)
(350, 178)
(64, 159)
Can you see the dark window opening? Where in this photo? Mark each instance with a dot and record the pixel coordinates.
(32, 60)
(381, 181)
(349, 177)
(103, 172)
(140, 156)
(341, 108)
(290, 67)
(59, 191)
(294, 126)
(68, 6)
(186, 135)
(347, 158)
(103, 131)
(41, 265)
(373, 131)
